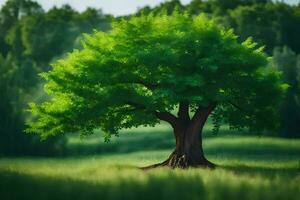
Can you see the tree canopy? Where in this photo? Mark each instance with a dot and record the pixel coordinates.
(141, 70)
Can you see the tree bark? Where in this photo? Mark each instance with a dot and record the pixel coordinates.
(188, 151)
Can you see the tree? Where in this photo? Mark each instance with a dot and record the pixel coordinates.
(231, 4)
(289, 63)
(15, 86)
(271, 24)
(93, 18)
(11, 13)
(48, 35)
(167, 7)
(195, 7)
(29, 39)
(18, 83)
(148, 66)
(288, 19)
(258, 21)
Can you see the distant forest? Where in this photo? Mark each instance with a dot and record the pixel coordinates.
(31, 38)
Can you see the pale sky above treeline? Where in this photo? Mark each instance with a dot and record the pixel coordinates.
(115, 7)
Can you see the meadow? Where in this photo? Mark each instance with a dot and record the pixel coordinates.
(249, 167)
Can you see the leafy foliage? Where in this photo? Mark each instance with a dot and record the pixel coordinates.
(151, 63)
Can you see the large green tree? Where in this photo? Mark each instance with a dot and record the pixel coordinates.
(147, 67)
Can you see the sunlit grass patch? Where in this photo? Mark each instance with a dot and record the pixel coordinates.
(115, 178)
(249, 167)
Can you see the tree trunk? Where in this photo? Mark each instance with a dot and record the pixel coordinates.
(188, 152)
(188, 134)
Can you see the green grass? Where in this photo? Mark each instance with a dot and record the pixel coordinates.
(249, 167)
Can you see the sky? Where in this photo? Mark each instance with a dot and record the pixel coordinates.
(115, 7)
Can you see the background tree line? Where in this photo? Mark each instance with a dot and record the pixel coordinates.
(30, 38)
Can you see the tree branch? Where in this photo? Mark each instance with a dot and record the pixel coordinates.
(247, 113)
(236, 106)
(168, 117)
(164, 116)
(203, 112)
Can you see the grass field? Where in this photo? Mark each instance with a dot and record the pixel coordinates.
(249, 167)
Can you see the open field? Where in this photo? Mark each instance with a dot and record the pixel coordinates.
(249, 167)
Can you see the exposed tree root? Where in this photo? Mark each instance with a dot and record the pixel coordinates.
(175, 161)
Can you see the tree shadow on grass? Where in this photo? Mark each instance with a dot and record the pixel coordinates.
(15, 186)
(263, 171)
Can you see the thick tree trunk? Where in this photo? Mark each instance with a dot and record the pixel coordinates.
(188, 134)
(188, 152)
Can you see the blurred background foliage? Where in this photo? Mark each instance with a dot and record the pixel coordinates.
(31, 38)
